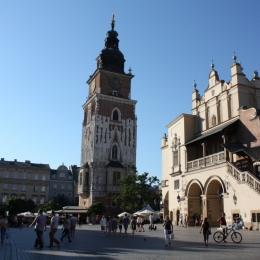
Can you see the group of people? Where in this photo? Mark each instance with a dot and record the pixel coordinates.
(183, 221)
(39, 223)
(109, 225)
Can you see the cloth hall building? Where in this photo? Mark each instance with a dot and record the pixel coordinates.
(211, 157)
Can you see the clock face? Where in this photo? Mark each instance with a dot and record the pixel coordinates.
(93, 85)
(115, 82)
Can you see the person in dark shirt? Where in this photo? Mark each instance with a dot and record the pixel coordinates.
(206, 230)
(223, 224)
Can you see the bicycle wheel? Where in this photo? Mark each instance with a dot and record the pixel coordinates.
(236, 237)
(218, 237)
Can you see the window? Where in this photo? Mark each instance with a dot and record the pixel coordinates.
(4, 198)
(22, 197)
(7, 175)
(16, 175)
(113, 203)
(255, 217)
(13, 196)
(34, 199)
(14, 186)
(54, 186)
(42, 200)
(69, 195)
(115, 93)
(5, 186)
(42, 188)
(116, 178)
(115, 115)
(62, 175)
(24, 176)
(176, 184)
(89, 116)
(220, 116)
(69, 187)
(23, 187)
(36, 177)
(114, 152)
(175, 158)
(214, 120)
(43, 178)
(54, 194)
(251, 100)
(63, 186)
(35, 188)
(80, 178)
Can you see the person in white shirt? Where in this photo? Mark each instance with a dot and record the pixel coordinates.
(103, 222)
(139, 221)
(66, 231)
(54, 226)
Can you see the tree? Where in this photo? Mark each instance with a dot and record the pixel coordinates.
(51, 205)
(97, 208)
(138, 191)
(17, 205)
(62, 200)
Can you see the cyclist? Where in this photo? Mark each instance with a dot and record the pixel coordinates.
(223, 225)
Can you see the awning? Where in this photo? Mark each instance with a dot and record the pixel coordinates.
(213, 131)
(237, 147)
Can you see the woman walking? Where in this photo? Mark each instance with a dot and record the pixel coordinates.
(133, 225)
(168, 230)
(206, 230)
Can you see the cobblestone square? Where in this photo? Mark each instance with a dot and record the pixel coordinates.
(90, 243)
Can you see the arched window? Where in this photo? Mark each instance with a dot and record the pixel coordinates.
(214, 120)
(251, 100)
(115, 115)
(220, 116)
(229, 107)
(114, 152)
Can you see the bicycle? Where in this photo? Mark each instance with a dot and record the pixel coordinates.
(220, 236)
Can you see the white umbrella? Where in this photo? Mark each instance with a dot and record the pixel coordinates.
(26, 214)
(137, 213)
(145, 212)
(123, 214)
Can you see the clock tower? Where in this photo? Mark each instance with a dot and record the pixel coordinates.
(108, 149)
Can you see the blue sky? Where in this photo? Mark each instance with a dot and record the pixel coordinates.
(48, 50)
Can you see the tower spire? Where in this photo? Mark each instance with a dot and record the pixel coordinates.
(113, 22)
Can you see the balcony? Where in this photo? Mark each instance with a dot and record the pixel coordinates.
(207, 161)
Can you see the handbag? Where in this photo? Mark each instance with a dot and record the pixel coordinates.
(209, 232)
(169, 231)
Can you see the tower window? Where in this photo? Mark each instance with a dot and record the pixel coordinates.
(115, 93)
(114, 152)
(115, 115)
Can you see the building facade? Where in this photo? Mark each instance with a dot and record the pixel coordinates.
(210, 157)
(62, 183)
(24, 180)
(108, 149)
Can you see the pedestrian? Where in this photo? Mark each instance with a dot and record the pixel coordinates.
(97, 219)
(125, 223)
(40, 226)
(54, 226)
(114, 225)
(103, 224)
(186, 221)
(142, 224)
(120, 225)
(108, 231)
(223, 224)
(66, 229)
(168, 230)
(133, 225)
(151, 219)
(206, 231)
(3, 227)
(138, 223)
(180, 221)
(73, 221)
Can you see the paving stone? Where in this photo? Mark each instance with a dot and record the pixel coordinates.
(90, 243)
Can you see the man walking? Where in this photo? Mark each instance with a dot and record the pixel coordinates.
(223, 224)
(40, 226)
(73, 221)
(66, 230)
(54, 226)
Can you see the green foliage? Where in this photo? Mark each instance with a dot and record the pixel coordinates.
(97, 208)
(62, 200)
(138, 191)
(17, 205)
(51, 205)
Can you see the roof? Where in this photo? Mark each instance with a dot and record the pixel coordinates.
(237, 147)
(26, 164)
(115, 164)
(213, 130)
